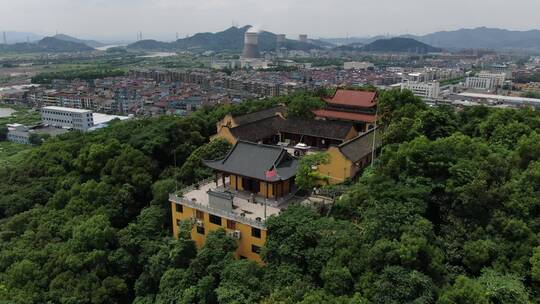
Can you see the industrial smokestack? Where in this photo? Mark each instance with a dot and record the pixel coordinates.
(302, 38)
(251, 45)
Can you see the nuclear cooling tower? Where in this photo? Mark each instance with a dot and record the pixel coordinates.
(251, 45)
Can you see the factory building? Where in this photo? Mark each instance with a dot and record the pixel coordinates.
(77, 119)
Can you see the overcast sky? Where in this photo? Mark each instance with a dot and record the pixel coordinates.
(161, 19)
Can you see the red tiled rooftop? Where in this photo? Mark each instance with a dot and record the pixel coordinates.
(345, 115)
(354, 98)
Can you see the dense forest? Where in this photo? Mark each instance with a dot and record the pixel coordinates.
(448, 214)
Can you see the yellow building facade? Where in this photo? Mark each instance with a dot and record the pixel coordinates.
(249, 239)
(268, 190)
(348, 159)
(338, 168)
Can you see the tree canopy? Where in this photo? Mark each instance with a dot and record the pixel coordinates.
(447, 214)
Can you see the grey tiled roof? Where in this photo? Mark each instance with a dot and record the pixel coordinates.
(259, 115)
(361, 146)
(257, 130)
(317, 128)
(272, 126)
(254, 160)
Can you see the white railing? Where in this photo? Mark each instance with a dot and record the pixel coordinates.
(197, 185)
(223, 213)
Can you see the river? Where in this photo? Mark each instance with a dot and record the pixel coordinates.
(158, 54)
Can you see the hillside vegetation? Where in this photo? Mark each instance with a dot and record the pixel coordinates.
(399, 45)
(47, 44)
(231, 39)
(448, 214)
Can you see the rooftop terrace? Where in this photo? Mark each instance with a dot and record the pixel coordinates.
(246, 208)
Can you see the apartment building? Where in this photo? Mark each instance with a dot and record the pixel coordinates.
(485, 81)
(77, 119)
(478, 83)
(496, 78)
(426, 90)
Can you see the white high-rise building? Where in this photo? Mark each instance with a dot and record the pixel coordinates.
(497, 79)
(485, 81)
(426, 90)
(77, 119)
(479, 83)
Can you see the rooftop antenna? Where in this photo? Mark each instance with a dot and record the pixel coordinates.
(5, 37)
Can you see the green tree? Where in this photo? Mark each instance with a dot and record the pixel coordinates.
(300, 105)
(307, 176)
(3, 133)
(464, 291)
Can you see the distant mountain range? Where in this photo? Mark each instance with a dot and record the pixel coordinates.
(483, 37)
(392, 45)
(400, 45)
(354, 40)
(46, 45)
(90, 43)
(477, 38)
(231, 39)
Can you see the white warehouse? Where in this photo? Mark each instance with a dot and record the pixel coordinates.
(77, 119)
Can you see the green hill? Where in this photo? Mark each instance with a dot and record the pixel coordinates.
(231, 39)
(399, 45)
(50, 44)
(90, 43)
(47, 44)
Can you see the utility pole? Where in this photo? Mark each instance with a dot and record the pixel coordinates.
(175, 174)
(374, 135)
